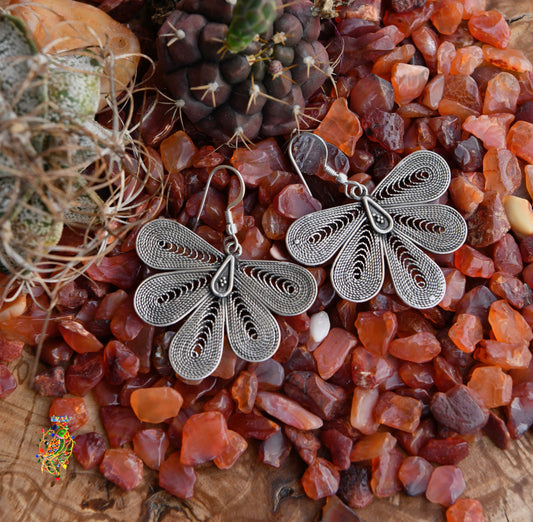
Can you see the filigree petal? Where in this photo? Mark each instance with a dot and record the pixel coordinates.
(315, 238)
(196, 349)
(358, 271)
(284, 288)
(437, 228)
(164, 244)
(164, 299)
(421, 177)
(253, 333)
(417, 279)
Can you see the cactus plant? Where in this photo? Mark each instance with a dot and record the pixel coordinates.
(233, 83)
(48, 140)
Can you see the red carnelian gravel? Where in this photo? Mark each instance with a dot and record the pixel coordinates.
(78, 338)
(465, 509)
(395, 411)
(237, 446)
(466, 332)
(385, 481)
(10, 350)
(490, 27)
(419, 348)
(74, 408)
(120, 424)
(151, 445)
(89, 449)
(177, 478)
(156, 404)
(332, 351)
(446, 484)
(205, 437)
(414, 475)
(320, 479)
(122, 467)
(376, 330)
(372, 446)
(7, 382)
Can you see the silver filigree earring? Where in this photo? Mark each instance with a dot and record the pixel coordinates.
(218, 291)
(387, 224)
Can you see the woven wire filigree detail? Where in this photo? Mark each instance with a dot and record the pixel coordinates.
(216, 294)
(386, 227)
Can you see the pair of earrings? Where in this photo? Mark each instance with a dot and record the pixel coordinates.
(221, 292)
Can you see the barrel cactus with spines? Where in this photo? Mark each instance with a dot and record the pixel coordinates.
(245, 71)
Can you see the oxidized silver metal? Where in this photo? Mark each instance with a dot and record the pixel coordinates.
(387, 224)
(219, 292)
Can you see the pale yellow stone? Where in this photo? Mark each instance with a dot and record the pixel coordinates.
(520, 215)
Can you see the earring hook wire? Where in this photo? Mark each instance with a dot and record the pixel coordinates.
(352, 189)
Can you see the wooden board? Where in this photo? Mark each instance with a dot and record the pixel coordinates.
(502, 481)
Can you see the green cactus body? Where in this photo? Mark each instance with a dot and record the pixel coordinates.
(74, 85)
(249, 19)
(16, 51)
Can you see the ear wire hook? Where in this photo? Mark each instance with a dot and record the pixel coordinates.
(351, 188)
(232, 245)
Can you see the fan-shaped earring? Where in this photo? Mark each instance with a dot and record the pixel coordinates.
(386, 225)
(219, 292)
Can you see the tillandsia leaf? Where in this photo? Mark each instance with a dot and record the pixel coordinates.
(17, 51)
(249, 19)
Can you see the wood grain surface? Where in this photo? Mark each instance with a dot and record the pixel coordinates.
(501, 480)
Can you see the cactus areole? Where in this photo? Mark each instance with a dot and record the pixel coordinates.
(245, 70)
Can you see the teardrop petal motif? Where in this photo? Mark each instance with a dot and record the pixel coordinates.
(417, 279)
(164, 299)
(421, 177)
(253, 333)
(437, 228)
(315, 238)
(358, 271)
(164, 244)
(196, 349)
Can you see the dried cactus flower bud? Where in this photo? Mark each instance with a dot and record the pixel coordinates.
(255, 81)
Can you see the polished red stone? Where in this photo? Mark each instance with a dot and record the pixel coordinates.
(151, 445)
(490, 27)
(362, 411)
(368, 369)
(205, 437)
(50, 382)
(473, 263)
(120, 424)
(274, 450)
(385, 481)
(376, 330)
(7, 382)
(446, 484)
(244, 391)
(419, 348)
(236, 448)
(372, 446)
(396, 411)
(156, 404)
(74, 408)
(287, 411)
(464, 509)
(414, 475)
(320, 479)
(89, 449)
(450, 450)
(120, 363)
(177, 478)
(333, 350)
(78, 338)
(122, 467)
(460, 409)
(84, 373)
